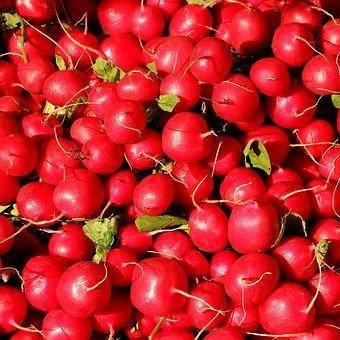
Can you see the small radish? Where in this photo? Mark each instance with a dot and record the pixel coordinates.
(39, 11)
(209, 239)
(25, 335)
(330, 37)
(168, 8)
(158, 280)
(256, 219)
(322, 330)
(255, 121)
(6, 231)
(83, 289)
(220, 263)
(8, 79)
(70, 244)
(180, 334)
(40, 279)
(12, 105)
(330, 164)
(178, 320)
(251, 278)
(85, 128)
(154, 194)
(244, 317)
(140, 326)
(9, 188)
(284, 175)
(195, 264)
(230, 333)
(8, 125)
(225, 10)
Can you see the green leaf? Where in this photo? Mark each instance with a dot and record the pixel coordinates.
(4, 207)
(256, 156)
(208, 3)
(321, 251)
(152, 67)
(152, 223)
(102, 233)
(336, 100)
(49, 108)
(167, 102)
(14, 211)
(60, 62)
(61, 111)
(106, 71)
(12, 20)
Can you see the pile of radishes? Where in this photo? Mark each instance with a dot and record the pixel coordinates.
(170, 169)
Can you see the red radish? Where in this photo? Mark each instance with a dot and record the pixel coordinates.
(141, 154)
(322, 330)
(255, 121)
(147, 22)
(56, 158)
(40, 278)
(6, 231)
(156, 286)
(80, 46)
(18, 155)
(235, 99)
(207, 305)
(140, 326)
(13, 308)
(26, 335)
(249, 31)
(287, 299)
(8, 125)
(168, 8)
(204, 237)
(70, 244)
(284, 175)
(256, 219)
(35, 102)
(210, 60)
(330, 37)
(226, 10)
(59, 325)
(240, 186)
(178, 320)
(230, 333)
(296, 258)
(123, 51)
(8, 79)
(251, 278)
(270, 76)
(132, 238)
(84, 289)
(220, 263)
(154, 194)
(33, 72)
(223, 32)
(173, 244)
(35, 202)
(293, 43)
(182, 334)
(294, 109)
(193, 21)
(77, 12)
(85, 128)
(101, 97)
(185, 87)
(120, 187)
(328, 298)
(9, 188)
(181, 132)
(12, 105)
(196, 183)
(195, 264)
(120, 264)
(328, 229)
(289, 197)
(114, 316)
(139, 85)
(39, 11)
(125, 122)
(81, 186)
(244, 317)
(330, 164)
(115, 17)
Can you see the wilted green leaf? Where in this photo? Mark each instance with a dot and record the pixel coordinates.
(60, 111)
(321, 251)
(167, 102)
(106, 71)
(11, 20)
(4, 207)
(336, 100)
(60, 62)
(152, 67)
(256, 156)
(208, 3)
(152, 223)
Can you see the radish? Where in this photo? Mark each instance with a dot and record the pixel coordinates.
(296, 258)
(291, 299)
(257, 219)
(39, 11)
(81, 186)
(143, 153)
(18, 155)
(178, 320)
(9, 188)
(132, 238)
(181, 334)
(322, 330)
(12, 105)
(253, 122)
(6, 231)
(230, 333)
(244, 317)
(284, 175)
(35, 202)
(40, 279)
(125, 122)
(147, 22)
(8, 79)
(206, 308)
(158, 280)
(154, 194)
(251, 278)
(77, 12)
(167, 8)
(120, 264)
(59, 325)
(195, 184)
(181, 132)
(220, 263)
(25, 335)
(193, 21)
(224, 156)
(140, 326)
(114, 316)
(330, 37)
(235, 99)
(249, 31)
(210, 60)
(293, 43)
(13, 308)
(83, 289)
(195, 264)
(225, 10)
(101, 97)
(240, 186)
(330, 164)
(8, 125)
(70, 244)
(294, 109)
(205, 238)
(85, 128)
(270, 76)
(328, 298)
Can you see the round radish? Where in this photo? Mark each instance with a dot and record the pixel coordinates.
(178, 320)
(322, 330)
(9, 188)
(220, 263)
(6, 231)
(244, 317)
(8, 79)
(167, 8)
(230, 333)
(140, 326)
(330, 164)
(254, 121)
(330, 37)
(284, 175)
(181, 334)
(195, 264)
(85, 128)
(8, 125)
(39, 11)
